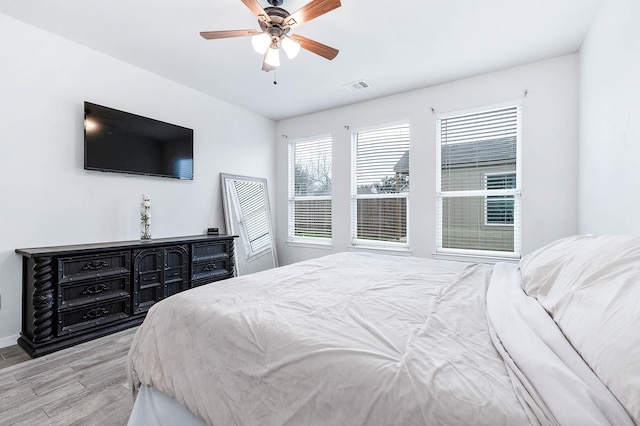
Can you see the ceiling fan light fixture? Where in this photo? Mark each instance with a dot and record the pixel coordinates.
(261, 42)
(273, 56)
(291, 47)
(275, 23)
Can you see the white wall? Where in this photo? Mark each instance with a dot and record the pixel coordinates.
(550, 126)
(49, 199)
(609, 152)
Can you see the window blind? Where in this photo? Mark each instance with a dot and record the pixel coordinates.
(478, 184)
(380, 188)
(310, 190)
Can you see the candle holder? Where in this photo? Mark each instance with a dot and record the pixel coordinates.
(145, 218)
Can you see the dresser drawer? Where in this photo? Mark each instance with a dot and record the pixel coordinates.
(99, 265)
(97, 314)
(145, 297)
(149, 279)
(175, 281)
(210, 269)
(82, 292)
(175, 274)
(209, 250)
(212, 279)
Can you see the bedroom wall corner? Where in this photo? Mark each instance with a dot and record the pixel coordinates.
(609, 131)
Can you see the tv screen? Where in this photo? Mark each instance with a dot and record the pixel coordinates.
(118, 141)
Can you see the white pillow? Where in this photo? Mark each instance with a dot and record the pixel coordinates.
(591, 287)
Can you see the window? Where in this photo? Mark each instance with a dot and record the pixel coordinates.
(380, 186)
(310, 190)
(478, 181)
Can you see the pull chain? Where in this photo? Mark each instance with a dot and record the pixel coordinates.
(275, 75)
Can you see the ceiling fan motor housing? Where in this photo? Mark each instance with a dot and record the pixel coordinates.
(278, 26)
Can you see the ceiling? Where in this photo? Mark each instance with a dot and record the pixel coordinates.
(393, 47)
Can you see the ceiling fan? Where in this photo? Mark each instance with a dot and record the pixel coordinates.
(275, 24)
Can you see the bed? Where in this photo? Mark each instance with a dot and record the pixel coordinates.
(359, 338)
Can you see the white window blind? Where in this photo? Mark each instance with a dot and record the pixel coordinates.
(310, 190)
(380, 186)
(478, 182)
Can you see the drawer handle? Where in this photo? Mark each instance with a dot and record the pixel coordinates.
(96, 313)
(209, 267)
(95, 289)
(175, 274)
(149, 279)
(95, 264)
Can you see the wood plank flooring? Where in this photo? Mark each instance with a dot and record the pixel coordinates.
(12, 355)
(82, 385)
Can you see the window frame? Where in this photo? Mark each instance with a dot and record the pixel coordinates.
(356, 242)
(515, 192)
(292, 198)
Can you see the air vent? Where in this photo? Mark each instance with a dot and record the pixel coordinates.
(357, 86)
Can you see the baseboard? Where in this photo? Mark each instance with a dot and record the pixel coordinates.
(9, 341)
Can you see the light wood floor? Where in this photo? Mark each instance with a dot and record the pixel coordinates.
(12, 355)
(82, 385)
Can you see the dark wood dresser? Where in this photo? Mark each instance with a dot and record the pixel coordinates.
(71, 294)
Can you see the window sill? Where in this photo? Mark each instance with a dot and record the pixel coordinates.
(397, 251)
(475, 258)
(314, 245)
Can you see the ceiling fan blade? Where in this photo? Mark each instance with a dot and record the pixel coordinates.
(226, 34)
(257, 10)
(311, 10)
(316, 47)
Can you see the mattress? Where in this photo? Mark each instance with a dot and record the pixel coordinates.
(359, 338)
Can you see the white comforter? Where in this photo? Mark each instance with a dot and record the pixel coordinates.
(349, 338)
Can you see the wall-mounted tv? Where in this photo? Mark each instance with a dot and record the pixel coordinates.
(121, 142)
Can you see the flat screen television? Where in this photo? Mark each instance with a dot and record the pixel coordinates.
(121, 142)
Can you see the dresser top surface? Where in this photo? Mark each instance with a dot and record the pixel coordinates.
(116, 245)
